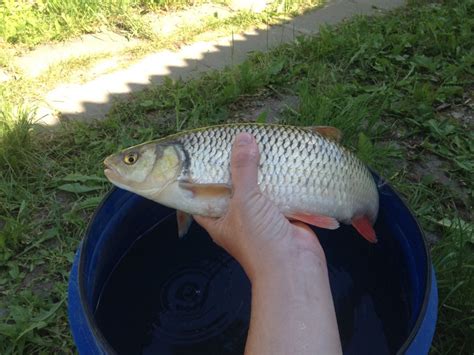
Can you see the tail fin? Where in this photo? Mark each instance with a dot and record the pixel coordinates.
(364, 227)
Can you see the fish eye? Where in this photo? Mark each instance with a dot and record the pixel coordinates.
(130, 158)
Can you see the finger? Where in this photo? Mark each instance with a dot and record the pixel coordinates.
(208, 223)
(303, 226)
(244, 164)
(211, 225)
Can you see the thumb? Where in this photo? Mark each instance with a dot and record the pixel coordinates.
(244, 164)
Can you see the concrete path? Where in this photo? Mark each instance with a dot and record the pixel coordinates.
(39, 59)
(93, 99)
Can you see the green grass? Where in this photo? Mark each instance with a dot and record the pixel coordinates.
(33, 22)
(382, 81)
(29, 23)
(453, 260)
(76, 69)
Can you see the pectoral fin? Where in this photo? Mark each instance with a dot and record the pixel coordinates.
(184, 222)
(364, 227)
(327, 131)
(207, 190)
(316, 220)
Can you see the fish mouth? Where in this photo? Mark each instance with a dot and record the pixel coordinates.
(110, 172)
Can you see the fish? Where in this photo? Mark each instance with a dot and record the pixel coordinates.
(304, 171)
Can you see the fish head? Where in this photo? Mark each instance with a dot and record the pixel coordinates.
(146, 169)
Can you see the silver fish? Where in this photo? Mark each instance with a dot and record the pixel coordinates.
(303, 170)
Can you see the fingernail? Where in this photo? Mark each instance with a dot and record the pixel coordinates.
(244, 139)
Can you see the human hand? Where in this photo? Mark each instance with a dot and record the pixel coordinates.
(253, 230)
(292, 307)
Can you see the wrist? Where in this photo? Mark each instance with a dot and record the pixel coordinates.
(296, 262)
(292, 308)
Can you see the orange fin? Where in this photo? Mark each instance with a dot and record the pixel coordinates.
(184, 222)
(208, 190)
(316, 220)
(364, 227)
(327, 131)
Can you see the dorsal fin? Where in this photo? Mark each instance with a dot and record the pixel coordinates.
(327, 131)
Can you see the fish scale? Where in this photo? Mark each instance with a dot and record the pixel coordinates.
(298, 167)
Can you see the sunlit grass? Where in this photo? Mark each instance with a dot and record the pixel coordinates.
(33, 22)
(30, 23)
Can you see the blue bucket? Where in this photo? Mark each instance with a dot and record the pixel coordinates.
(135, 288)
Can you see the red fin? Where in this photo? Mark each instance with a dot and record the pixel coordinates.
(364, 227)
(316, 220)
(184, 222)
(327, 131)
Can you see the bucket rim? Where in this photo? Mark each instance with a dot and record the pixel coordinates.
(428, 270)
(96, 332)
(89, 316)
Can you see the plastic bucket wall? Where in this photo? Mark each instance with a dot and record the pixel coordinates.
(123, 217)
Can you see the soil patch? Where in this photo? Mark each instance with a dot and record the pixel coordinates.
(265, 105)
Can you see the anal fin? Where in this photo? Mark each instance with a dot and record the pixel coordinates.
(316, 220)
(364, 227)
(184, 222)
